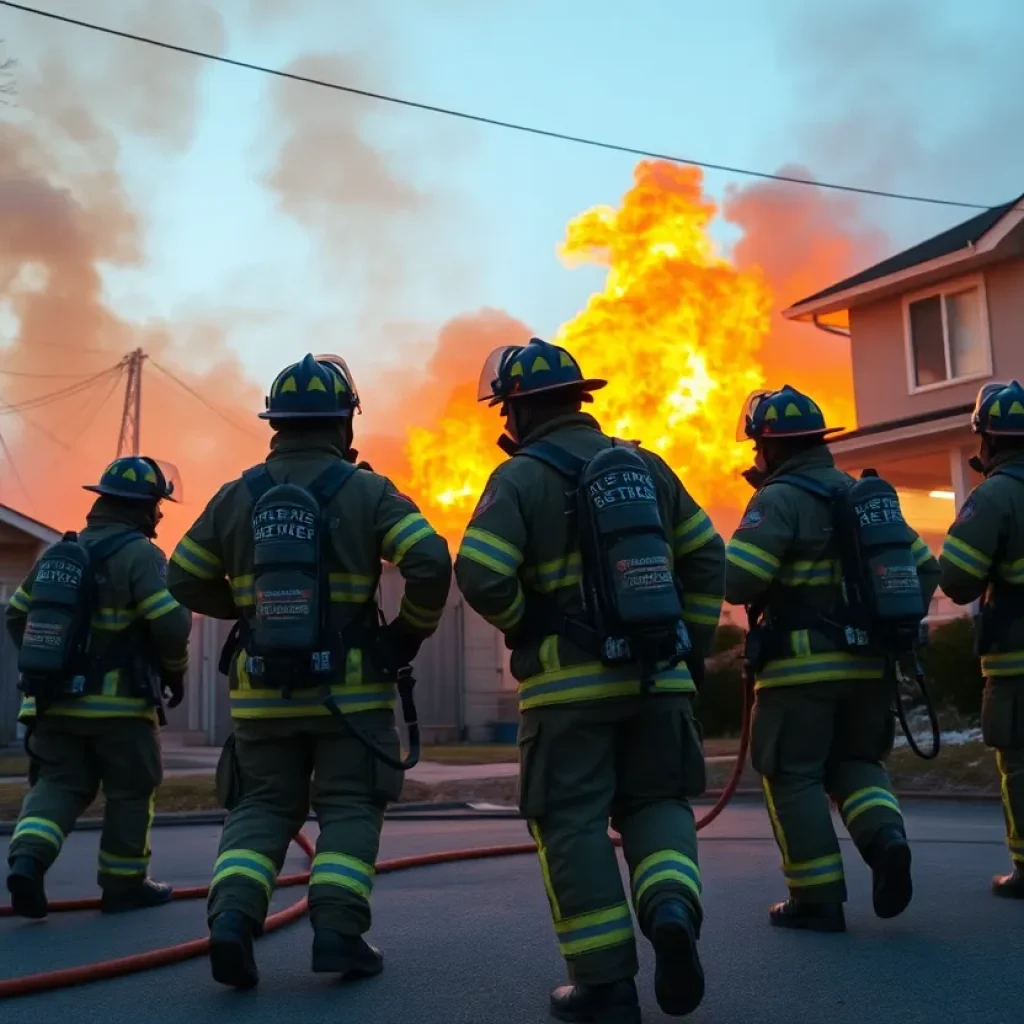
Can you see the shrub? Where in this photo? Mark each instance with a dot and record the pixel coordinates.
(951, 667)
(719, 708)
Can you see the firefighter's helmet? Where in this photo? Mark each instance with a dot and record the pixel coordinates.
(138, 478)
(781, 414)
(999, 410)
(320, 387)
(520, 371)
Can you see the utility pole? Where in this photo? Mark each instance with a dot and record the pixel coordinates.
(131, 415)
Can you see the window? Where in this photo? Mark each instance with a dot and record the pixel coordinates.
(947, 335)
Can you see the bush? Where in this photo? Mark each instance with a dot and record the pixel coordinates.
(951, 667)
(719, 708)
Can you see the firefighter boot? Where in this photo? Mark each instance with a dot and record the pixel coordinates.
(25, 884)
(349, 956)
(1010, 886)
(137, 897)
(678, 975)
(888, 856)
(814, 917)
(231, 957)
(616, 1003)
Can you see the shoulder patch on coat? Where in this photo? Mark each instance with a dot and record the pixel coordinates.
(754, 516)
(487, 499)
(967, 510)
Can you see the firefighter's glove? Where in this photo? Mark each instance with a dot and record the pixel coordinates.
(173, 686)
(395, 648)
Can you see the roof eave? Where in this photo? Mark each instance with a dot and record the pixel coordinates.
(984, 250)
(32, 527)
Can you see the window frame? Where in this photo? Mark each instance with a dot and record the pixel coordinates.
(943, 289)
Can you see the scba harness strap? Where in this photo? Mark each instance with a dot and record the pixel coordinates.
(326, 664)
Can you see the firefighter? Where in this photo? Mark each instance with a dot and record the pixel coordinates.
(287, 749)
(106, 736)
(983, 557)
(591, 746)
(822, 721)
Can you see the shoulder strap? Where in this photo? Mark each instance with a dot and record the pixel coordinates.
(258, 480)
(109, 546)
(331, 480)
(556, 457)
(1014, 470)
(807, 484)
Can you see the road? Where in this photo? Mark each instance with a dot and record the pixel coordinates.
(473, 942)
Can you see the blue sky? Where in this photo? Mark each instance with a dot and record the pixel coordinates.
(904, 95)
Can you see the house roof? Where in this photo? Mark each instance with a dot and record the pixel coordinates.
(26, 524)
(953, 243)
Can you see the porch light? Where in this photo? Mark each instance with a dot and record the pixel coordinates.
(945, 495)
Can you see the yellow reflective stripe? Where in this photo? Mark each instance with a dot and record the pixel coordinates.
(594, 681)
(350, 587)
(702, 609)
(157, 605)
(112, 620)
(93, 706)
(403, 535)
(800, 642)
(423, 619)
(348, 697)
(1012, 832)
(752, 559)
(242, 592)
(39, 828)
(549, 659)
(811, 574)
(1011, 572)
(776, 821)
(245, 864)
(865, 799)
(122, 867)
(554, 574)
(821, 871)
(545, 871)
(665, 866)
(511, 615)
(963, 556)
(920, 551)
(20, 600)
(692, 533)
(196, 560)
(1007, 663)
(601, 929)
(175, 664)
(817, 668)
(489, 550)
(343, 871)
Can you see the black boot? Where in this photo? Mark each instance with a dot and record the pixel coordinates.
(138, 897)
(347, 955)
(814, 917)
(678, 975)
(888, 856)
(616, 1003)
(1008, 886)
(25, 884)
(231, 958)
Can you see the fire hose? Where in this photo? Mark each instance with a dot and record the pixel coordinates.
(48, 981)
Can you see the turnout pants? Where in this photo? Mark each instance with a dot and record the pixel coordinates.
(1002, 727)
(637, 762)
(76, 757)
(815, 744)
(282, 765)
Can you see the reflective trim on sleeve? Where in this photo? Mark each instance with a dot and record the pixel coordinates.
(554, 574)
(702, 609)
(196, 560)
(692, 533)
(490, 551)
(752, 559)
(423, 620)
(403, 536)
(920, 551)
(963, 556)
(157, 605)
(20, 600)
(511, 615)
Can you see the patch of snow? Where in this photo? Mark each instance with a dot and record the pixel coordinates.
(953, 738)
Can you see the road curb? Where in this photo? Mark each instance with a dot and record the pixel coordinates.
(455, 810)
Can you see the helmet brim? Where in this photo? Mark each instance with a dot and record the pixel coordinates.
(336, 414)
(585, 386)
(113, 492)
(796, 433)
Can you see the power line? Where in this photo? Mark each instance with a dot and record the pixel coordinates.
(55, 396)
(42, 376)
(205, 401)
(14, 469)
(480, 119)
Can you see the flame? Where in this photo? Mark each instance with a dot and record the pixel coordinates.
(676, 332)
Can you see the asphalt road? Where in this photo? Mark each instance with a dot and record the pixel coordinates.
(472, 942)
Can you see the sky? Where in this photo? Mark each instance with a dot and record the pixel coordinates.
(298, 219)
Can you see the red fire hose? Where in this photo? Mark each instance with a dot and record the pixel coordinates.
(47, 981)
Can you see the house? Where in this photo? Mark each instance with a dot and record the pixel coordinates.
(22, 540)
(927, 328)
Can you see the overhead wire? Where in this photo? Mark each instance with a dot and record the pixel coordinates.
(479, 118)
(55, 396)
(202, 399)
(9, 457)
(42, 376)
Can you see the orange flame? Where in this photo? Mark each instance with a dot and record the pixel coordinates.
(676, 332)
